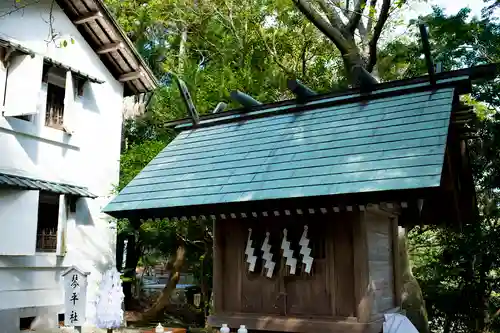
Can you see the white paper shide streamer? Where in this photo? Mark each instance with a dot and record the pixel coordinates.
(267, 256)
(109, 313)
(288, 253)
(249, 251)
(305, 251)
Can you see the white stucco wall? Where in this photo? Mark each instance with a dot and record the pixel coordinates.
(89, 157)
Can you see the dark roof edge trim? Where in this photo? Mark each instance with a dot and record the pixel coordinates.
(462, 78)
(15, 181)
(18, 47)
(109, 16)
(22, 49)
(326, 102)
(71, 69)
(270, 205)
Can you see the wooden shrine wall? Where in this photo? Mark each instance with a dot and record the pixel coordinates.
(353, 261)
(328, 291)
(380, 261)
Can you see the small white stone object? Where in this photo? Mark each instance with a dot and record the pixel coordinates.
(249, 251)
(159, 328)
(242, 329)
(224, 329)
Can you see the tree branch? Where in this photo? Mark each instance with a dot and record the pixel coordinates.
(18, 7)
(363, 32)
(331, 14)
(330, 31)
(304, 58)
(371, 15)
(356, 16)
(377, 31)
(273, 52)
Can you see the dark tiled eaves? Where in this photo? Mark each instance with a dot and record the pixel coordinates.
(8, 180)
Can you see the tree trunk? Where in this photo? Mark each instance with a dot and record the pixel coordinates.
(163, 301)
(182, 49)
(411, 295)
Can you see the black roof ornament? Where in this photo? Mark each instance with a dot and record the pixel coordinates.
(220, 107)
(427, 52)
(188, 101)
(244, 99)
(300, 90)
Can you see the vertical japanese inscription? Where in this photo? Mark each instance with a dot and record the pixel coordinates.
(75, 301)
(73, 318)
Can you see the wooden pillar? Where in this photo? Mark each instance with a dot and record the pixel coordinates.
(342, 258)
(130, 265)
(376, 263)
(398, 276)
(217, 288)
(362, 294)
(330, 265)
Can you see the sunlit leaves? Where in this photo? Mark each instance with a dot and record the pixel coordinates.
(458, 269)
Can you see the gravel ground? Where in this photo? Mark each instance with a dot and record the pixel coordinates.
(91, 330)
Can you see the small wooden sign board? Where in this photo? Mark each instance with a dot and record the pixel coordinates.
(75, 296)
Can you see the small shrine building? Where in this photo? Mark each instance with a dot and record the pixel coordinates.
(306, 197)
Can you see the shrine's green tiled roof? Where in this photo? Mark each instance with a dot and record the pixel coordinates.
(389, 143)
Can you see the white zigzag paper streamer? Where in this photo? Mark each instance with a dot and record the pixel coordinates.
(268, 257)
(251, 258)
(288, 253)
(305, 251)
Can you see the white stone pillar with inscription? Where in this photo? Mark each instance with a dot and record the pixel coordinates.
(75, 297)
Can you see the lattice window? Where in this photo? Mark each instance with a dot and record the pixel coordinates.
(54, 114)
(46, 240)
(48, 220)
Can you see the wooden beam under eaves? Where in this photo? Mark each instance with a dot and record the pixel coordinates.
(130, 76)
(5, 54)
(109, 48)
(88, 17)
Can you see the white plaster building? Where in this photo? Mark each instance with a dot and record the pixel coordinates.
(60, 136)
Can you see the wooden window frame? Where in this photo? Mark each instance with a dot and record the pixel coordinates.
(54, 112)
(54, 106)
(47, 236)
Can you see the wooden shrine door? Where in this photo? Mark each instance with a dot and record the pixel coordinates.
(309, 294)
(286, 294)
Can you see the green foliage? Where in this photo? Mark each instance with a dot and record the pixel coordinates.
(458, 269)
(214, 46)
(135, 158)
(250, 45)
(217, 46)
(456, 41)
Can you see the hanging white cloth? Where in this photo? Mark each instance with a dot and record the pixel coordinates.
(397, 323)
(109, 312)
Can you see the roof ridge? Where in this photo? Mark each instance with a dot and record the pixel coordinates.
(461, 78)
